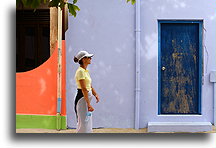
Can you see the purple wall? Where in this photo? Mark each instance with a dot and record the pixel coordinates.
(107, 29)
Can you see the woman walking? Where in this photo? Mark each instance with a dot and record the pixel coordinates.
(85, 92)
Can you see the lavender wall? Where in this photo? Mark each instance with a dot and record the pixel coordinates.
(152, 10)
(107, 29)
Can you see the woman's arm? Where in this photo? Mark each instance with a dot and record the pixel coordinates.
(95, 94)
(85, 94)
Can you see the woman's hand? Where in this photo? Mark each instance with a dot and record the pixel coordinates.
(97, 98)
(95, 94)
(90, 108)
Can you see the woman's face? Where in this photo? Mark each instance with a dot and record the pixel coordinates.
(87, 60)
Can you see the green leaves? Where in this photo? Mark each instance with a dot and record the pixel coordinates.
(132, 1)
(56, 3)
(75, 1)
(61, 3)
(35, 3)
(30, 3)
(53, 3)
(73, 9)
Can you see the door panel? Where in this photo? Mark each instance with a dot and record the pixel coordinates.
(179, 68)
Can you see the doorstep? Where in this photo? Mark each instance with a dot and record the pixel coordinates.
(190, 127)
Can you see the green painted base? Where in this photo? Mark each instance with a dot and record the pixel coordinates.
(39, 121)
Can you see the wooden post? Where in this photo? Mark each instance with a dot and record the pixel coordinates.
(59, 76)
(53, 28)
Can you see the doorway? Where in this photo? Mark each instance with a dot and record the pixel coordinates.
(180, 67)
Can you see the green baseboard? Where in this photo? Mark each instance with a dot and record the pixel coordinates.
(39, 121)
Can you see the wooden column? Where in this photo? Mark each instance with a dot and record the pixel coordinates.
(53, 28)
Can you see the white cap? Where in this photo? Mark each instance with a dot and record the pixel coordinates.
(83, 54)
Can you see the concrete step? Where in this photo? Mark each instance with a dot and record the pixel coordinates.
(179, 126)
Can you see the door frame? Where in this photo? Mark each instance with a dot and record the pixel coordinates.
(200, 22)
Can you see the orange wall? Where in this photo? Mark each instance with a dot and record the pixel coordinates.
(36, 90)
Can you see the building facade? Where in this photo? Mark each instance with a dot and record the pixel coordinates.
(152, 62)
(36, 68)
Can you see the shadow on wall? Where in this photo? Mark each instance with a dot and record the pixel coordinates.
(112, 69)
(112, 39)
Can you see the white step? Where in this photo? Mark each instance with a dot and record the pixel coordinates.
(179, 126)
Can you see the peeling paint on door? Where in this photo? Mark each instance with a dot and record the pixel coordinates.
(180, 79)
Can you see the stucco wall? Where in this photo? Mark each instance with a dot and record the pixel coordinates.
(152, 10)
(36, 95)
(36, 90)
(107, 29)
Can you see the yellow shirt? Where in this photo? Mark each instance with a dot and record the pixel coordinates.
(81, 74)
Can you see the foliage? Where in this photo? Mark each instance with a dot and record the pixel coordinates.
(72, 7)
(132, 1)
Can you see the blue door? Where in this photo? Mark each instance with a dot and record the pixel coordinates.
(180, 64)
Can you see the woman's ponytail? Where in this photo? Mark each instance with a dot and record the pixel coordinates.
(75, 60)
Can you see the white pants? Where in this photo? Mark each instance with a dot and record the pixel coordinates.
(82, 108)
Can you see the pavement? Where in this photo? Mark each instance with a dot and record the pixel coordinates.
(101, 130)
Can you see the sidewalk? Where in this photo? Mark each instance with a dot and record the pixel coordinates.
(103, 130)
